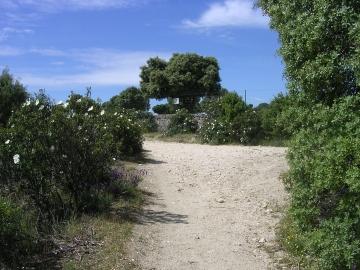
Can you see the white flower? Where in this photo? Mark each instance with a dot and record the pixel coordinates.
(37, 102)
(52, 148)
(102, 112)
(79, 100)
(91, 108)
(114, 159)
(16, 158)
(7, 142)
(116, 114)
(60, 102)
(64, 156)
(66, 105)
(79, 127)
(41, 107)
(86, 114)
(28, 102)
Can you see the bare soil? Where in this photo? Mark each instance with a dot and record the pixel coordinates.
(209, 207)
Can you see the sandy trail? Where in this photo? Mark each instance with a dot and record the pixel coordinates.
(212, 208)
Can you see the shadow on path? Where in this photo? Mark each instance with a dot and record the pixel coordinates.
(148, 216)
(144, 158)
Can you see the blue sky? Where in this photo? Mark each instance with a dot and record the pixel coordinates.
(64, 45)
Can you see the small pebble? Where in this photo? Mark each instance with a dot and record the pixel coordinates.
(262, 240)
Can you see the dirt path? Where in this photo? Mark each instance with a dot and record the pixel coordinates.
(213, 208)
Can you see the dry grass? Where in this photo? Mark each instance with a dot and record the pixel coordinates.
(99, 242)
(179, 138)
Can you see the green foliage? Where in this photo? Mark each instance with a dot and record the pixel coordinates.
(16, 233)
(130, 99)
(163, 109)
(274, 122)
(319, 44)
(146, 120)
(12, 95)
(229, 119)
(169, 108)
(154, 81)
(186, 76)
(59, 157)
(182, 122)
(324, 183)
(216, 131)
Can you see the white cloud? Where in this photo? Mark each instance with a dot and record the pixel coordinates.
(6, 31)
(48, 52)
(235, 13)
(58, 63)
(10, 51)
(102, 67)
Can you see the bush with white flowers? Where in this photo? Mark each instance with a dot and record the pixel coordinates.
(59, 158)
(230, 119)
(182, 122)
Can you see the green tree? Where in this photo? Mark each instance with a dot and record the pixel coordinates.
(272, 118)
(185, 76)
(12, 95)
(320, 41)
(130, 98)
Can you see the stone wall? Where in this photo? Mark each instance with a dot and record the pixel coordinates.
(163, 120)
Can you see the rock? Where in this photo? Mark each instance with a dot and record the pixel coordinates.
(262, 240)
(220, 200)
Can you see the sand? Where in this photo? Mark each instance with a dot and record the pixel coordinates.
(211, 208)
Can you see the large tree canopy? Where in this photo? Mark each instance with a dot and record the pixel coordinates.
(320, 45)
(184, 75)
(12, 95)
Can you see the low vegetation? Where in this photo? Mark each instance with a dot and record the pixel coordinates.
(59, 162)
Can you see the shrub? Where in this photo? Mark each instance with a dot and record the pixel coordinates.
(147, 121)
(163, 109)
(129, 99)
(125, 129)
(216, 132)
(273, 121)
(229, 119)
(59, 157)
(12, 95)
(16, 234)
(324, 183)
(182, 122)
